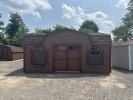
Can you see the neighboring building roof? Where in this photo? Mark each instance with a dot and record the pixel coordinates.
(13, 48)
(126, 43)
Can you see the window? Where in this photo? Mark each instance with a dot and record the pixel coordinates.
(73, 47)
(62, 48)
(96, 56)
(39, 56)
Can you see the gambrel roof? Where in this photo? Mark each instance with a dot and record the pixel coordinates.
(94, 37)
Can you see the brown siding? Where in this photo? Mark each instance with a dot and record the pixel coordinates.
(17, 55)
(11, 55)
(69, 38)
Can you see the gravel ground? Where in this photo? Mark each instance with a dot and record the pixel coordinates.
(16, 85)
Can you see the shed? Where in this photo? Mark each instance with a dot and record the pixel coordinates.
(122, 55)
(67, 50)
(8, 52)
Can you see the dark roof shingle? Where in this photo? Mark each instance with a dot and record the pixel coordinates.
(15, 49)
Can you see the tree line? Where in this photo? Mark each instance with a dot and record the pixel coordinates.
(124, 31)
(14, 32)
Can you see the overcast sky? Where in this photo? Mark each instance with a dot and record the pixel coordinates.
(47, 13)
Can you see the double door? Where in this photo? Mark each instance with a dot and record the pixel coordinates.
(67, 57)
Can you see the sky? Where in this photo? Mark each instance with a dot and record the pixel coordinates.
(106, 14)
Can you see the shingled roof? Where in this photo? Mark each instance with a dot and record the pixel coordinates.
(13, 48)
(37, 38)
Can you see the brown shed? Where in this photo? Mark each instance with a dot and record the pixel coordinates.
(67, 50)
(10, 52)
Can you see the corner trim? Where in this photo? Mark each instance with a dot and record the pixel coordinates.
(129, 54)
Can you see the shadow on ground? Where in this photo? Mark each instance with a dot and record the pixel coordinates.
(122, 70)
(19, 73)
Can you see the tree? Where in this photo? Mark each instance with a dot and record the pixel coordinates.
(89, 27)
(121, 33)
(16, 29)
(48, 30)
(1, 24)
(39, 30)
(125, 30)
(15, 25)
(2, 38)
(128, 18)
(17, 40)
(58, 27)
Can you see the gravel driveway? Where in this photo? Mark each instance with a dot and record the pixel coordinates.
(16, 85)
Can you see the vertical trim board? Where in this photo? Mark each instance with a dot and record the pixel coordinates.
(129, 54)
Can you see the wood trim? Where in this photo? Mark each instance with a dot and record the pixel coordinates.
(102, 57)
(24, 60)
(110, 58)
(67, 60)
(32, 56)
(88, 57)
(45, 56)
(80, 55)
(53, 58)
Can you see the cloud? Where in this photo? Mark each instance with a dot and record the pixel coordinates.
(99, 15)
(27, 6)
(77, 15)
(67, 9)
(120, 3)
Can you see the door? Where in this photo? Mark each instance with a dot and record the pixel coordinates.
(67, 57)
(60, 58)
(74, 58)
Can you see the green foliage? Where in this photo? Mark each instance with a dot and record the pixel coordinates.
(48, 30)
(2, 38)
(58, 27)
(89, 27)
(17, 40)
(39, 30)
(15, 25)
(125, 30)
(121, 33)
(1, 24)
(86, 30)
(16, 29)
